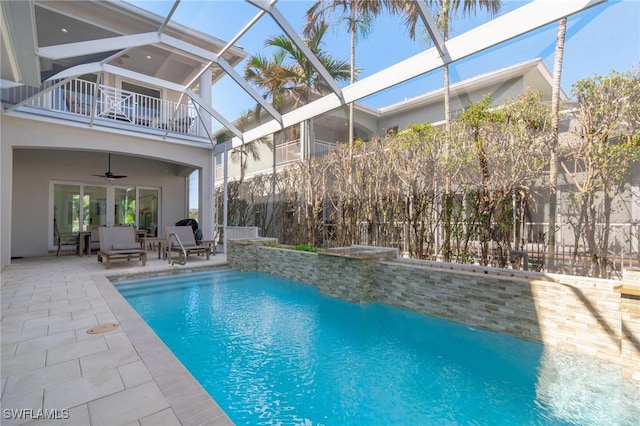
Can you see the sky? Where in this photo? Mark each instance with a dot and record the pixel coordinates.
(601, 39)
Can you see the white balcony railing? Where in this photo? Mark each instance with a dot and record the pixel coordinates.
(321, 148)
(103, 104)
(290, 151)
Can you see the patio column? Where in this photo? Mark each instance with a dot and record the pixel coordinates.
(207, 196)
(6, 181)
(205, 94)
(225, 161)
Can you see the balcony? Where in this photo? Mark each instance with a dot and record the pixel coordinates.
(101, 105)
(290, 152)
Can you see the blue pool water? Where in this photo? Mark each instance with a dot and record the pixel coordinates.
(272, 351)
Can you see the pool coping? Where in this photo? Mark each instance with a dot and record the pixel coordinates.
(190, 402)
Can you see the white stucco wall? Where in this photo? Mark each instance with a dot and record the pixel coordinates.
(433, 112)
(38, 152)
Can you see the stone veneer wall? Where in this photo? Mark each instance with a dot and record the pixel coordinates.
(630, 309)
(630, 336)
(573, 313)
(580, 315)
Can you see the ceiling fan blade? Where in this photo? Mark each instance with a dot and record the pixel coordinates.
(108, 175)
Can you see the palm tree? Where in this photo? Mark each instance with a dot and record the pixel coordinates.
(446, 10)
(251, 149)
(288, 79)
(269, 75)
(299, 80)
(553, 148)
(358, 14)
(295, 78)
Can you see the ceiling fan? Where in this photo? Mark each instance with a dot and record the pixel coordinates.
(109, 175)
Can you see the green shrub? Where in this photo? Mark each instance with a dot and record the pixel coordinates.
(306, 247)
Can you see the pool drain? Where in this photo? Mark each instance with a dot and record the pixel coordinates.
(102, 328)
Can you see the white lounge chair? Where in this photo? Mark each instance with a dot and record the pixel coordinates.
(188, 240)
(119, 243)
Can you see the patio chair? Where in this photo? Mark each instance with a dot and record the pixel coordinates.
(65, 239)
(187, 238)
(119, 243)
(95, 238)
(75, 105)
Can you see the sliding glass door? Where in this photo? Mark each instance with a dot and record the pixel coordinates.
(77, 207)
(66, 208)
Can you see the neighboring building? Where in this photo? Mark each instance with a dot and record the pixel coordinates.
(332, 128)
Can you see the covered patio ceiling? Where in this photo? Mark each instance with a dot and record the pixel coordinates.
(53, 40)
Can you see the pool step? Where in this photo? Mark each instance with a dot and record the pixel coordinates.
(174, 278)
(167, 283)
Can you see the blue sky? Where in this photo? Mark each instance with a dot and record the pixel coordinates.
(603, 38)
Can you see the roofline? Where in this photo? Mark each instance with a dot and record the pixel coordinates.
(471, 83)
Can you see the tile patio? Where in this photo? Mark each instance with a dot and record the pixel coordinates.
(51, 366)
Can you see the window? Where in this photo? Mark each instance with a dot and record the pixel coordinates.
(146, 91)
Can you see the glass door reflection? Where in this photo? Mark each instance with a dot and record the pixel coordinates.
(124, 201)
(94, 206)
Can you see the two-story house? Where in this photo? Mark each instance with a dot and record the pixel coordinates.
(112, 116)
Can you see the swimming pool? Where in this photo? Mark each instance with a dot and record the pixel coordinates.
(272, 351)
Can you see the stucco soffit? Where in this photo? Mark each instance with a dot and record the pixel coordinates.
(18, 42)
(82, 48)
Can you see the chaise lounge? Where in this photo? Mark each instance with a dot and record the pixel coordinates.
(119, 243)
(188, 240)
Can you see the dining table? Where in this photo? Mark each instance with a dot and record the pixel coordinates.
(146, 241)
(84, 243)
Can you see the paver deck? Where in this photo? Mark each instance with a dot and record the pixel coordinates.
(54, 372)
